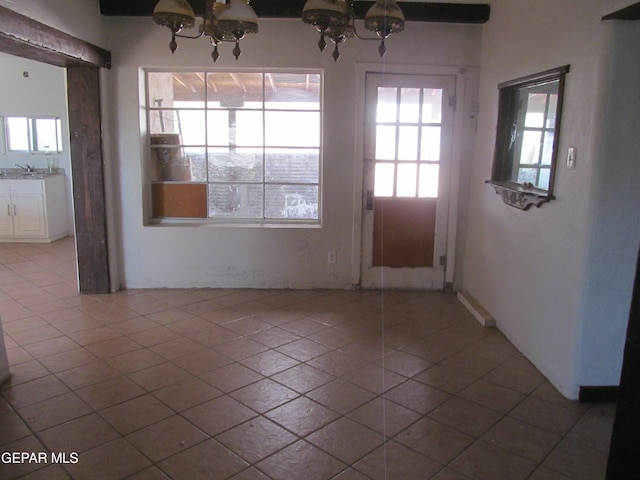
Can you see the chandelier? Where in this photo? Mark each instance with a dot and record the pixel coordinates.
(221, 22)
(335, 19)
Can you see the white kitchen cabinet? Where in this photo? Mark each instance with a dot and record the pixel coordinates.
(33, 209)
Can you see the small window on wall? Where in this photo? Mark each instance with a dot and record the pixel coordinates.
(240, 147)
(529, 113)
(33, 134)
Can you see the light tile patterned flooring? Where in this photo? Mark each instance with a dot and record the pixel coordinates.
(273, 384)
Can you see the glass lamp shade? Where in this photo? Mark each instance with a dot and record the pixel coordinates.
(175, 14)
(237, 19)
(384, 17)
(324, 14)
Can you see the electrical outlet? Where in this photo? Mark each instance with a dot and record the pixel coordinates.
(332, 257)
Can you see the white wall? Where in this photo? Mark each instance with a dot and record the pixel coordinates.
(529, 268)
(615, 234)
(42, 93)
(165, 256)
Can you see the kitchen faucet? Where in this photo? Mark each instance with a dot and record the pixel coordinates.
(28, 168)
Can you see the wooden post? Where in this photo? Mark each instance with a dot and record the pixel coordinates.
(88, 179)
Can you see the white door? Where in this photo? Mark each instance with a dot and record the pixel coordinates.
(407, 164)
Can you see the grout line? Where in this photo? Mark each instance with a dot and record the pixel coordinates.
(285, 303)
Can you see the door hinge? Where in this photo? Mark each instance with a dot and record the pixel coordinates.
(453, 102)
(443, 260)
(369, 199)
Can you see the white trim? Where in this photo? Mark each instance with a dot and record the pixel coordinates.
(477, 310)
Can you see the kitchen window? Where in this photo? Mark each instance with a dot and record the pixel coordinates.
(32, 134)
(239, 147)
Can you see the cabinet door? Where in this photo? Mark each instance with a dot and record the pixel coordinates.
(6, 216)
(28, 212)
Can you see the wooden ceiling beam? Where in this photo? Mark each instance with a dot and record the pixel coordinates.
(413, 11)
(22, 36)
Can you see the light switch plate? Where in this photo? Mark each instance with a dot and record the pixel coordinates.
(571, 158)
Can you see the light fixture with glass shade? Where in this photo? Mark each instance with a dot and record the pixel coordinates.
(221, 22)
(335, 19)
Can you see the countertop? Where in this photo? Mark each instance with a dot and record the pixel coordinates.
(20, 174)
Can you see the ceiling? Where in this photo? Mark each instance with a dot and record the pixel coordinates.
(631, 12)
(413, 11)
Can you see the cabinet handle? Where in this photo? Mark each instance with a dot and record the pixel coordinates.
(14, 210)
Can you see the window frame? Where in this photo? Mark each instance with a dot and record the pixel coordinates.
(208, 147)
(523, 195)
(32, 135)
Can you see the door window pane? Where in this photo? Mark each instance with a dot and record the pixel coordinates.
(409, 105)
(432, 105)
(387, 108)
(407, 180)
(408, 143)
(430, 144)
(384, 177)
(385, 142)
(429, 178)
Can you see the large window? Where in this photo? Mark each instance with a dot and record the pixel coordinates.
(235, 146)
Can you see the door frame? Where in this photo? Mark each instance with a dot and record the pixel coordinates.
(24, 37)
(460, 128)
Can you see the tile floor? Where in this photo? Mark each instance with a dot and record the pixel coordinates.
(272, 384)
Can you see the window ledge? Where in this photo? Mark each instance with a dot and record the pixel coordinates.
(194, 223)
(519, 196)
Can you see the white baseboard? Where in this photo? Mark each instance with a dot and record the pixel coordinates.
(477, 310)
